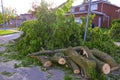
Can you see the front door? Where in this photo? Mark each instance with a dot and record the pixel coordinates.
(99, 22)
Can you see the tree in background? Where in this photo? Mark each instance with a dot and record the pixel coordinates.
(34, 6)
(9, 13)
(1, 20)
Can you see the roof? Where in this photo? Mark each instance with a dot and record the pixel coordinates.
(99, 13)
(85, 12)
(96, 2)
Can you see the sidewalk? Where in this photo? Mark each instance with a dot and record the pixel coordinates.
(6, 38)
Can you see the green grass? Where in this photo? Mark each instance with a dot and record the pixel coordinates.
(5, 32)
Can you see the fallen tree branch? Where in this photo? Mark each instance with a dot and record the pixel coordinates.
(44, 60)
(53, 51)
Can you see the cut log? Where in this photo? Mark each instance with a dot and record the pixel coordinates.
(62, 61)
(84, 63)
(52, 52)
(73, 66)
(101, 66)
(44, 60)
(59, 58)
(104, 57)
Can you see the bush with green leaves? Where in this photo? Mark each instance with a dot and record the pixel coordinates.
(115, 31)
(96, 38)
(116, 21)
(28, 42)
(52, 30)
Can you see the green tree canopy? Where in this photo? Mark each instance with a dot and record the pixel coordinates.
(1, 18)
(9, 13)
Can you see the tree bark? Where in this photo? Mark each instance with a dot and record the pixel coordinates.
(104, 57)
(44, 60)
(101, 66)
(73, 66)
(59, 58)
(84, 63)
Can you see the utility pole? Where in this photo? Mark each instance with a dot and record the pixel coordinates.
(87, 20)
(3, 15)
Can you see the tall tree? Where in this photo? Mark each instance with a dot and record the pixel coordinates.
(9, 13)
(34, 6)
(1, 19)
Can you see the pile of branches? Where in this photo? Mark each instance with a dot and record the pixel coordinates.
(80, 59)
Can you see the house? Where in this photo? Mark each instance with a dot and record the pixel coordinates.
(16, 22)
(27, 16)
(105, 12)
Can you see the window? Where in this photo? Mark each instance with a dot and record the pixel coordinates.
(78, 20)
(72, 10)
(82, 8)
(94, 7)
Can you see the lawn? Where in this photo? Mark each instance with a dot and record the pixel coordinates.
(5, 32)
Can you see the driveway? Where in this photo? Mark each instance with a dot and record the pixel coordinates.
(6, 38)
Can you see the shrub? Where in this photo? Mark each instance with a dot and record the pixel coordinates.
(27, 26)
(51, 31)
(116, 21)
(35, 36)
(96, 38)
(28, 41)
(115, 31)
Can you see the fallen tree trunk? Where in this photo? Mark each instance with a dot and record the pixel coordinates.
(84, 63)
(51, 52)
(73, 66)
(104, 57)
(103, 67)
(44, 60)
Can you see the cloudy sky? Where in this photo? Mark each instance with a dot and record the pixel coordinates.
(22, 6)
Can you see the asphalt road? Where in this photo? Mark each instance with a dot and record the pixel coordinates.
(24, 73)
(6, 38)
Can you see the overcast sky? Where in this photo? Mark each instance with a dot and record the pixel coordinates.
(22, 6)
